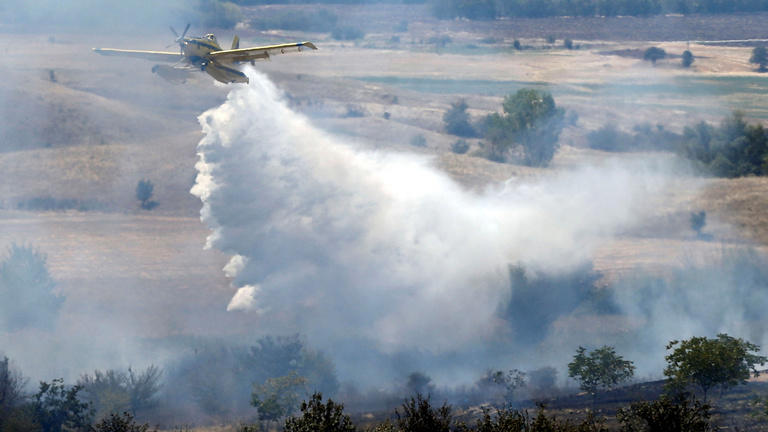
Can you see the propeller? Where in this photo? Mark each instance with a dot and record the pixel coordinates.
(179, 39)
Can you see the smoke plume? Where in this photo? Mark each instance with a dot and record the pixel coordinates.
(378, 248)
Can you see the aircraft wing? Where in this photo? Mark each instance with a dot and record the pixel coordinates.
(258, 53)
(147, 55)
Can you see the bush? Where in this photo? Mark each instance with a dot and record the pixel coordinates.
(27, 288)
(456, 120)
(144, 191)
(460, 146)
(419, 416)
(654, 54)
(665, 414)
(568, 44)
(59, 408)
(354, 111)
(760, 58)
(119, 423)
(320, 417)
(698, 221)
(516, 44)
(113, 392)
(609, 138)
(687, 59)
(347, 33)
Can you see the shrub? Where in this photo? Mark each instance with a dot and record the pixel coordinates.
(698, 221)
(113, 392)
(354, 111)
(419, 416)
(278, 397)
(760, 58)
(456, 120)
(119, 423)
(568, 44)
(609, 138)
(27, 288)
(322, 20)
(654, 54)
(665, 414)
(516, 44)
(144, 191)
(59, 408)
(687, 59)
(317, 416)
(460, 146)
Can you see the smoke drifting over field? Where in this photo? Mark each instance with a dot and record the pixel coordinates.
(379, 249)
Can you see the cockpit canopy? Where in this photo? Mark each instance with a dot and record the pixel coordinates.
(210, 37)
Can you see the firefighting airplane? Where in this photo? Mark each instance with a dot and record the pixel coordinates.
(205, 54)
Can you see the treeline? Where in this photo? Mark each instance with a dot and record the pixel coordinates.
(734, 148)
(490, 9)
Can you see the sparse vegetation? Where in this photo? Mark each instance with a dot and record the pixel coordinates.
(698, 221)
(11, 391)
(278, 397)
(321, 20)
(568, 44)
(218, 14)
(59, 408)
(120, 423)
(600, 369)
(721, 362)
(114, 392)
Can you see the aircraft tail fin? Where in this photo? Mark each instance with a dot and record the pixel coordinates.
(236, 42)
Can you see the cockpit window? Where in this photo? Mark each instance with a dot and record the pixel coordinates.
(210, 37)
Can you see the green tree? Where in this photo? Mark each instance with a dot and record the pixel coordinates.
(664, 415)
(500, 387)
(600, 369)
(27, 288)
(58, 408)
(317, 416)
(456, 120)
(531, 123)
(687, 59)
(278, 397)
(722, 362)
(760, 58)
(653, 54)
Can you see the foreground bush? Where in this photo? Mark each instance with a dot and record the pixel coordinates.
(320, 417)
(665, 414)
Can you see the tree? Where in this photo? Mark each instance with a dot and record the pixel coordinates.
(119, 423)
(688, 59)
(320, 417)
(531, 123)
(568, 43)
(500, 387)
(278, 397)
(722, 362)
(144, 191)
(653, 54)
(665, 414)
(602, 369)
(26, 288)
(456, 120)
(698, 221)
(760, 58)
(113, 391)
(11, 390)
(58, 408)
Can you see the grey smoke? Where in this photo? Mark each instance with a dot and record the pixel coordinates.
(380, 249)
